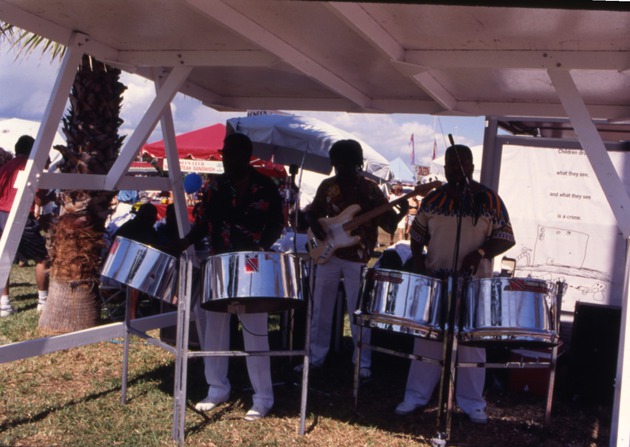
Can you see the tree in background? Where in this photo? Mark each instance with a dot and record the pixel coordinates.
(91, 129)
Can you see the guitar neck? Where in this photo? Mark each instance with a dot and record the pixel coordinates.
(420, 190)
(366, 217)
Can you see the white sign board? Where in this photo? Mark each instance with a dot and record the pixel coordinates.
(563, 224)
(198, 166)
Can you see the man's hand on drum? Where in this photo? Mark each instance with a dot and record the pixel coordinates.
(470, 263)
(176, 248)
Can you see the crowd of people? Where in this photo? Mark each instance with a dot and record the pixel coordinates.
(455, 228)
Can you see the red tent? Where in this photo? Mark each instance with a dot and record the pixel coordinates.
(200, 144)
(204, 144)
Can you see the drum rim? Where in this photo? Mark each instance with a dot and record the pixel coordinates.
(122, 238)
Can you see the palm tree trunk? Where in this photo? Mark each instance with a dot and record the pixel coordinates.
(73, 299)
(91, 129)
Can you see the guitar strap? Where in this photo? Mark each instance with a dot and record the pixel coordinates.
(364, 194)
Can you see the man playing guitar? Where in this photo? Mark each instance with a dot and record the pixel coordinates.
(341, 248)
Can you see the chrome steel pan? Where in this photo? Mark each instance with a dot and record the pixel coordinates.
(251, 282)
(401, 302)
(517, 311)
(141, 267)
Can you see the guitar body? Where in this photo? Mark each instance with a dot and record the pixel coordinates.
(336, 235)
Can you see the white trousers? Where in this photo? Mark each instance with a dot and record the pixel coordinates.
(327, 280)
(214, 335)
(423, 376)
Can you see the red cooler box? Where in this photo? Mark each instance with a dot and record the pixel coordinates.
(530, 380)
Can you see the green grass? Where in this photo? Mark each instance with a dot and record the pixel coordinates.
(73, 398)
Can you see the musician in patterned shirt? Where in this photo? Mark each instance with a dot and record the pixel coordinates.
(334, 195)
(486, 232)
(241, 211)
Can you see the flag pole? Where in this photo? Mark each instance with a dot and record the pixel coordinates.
(413, 150)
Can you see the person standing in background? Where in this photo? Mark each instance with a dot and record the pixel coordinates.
(32, 244)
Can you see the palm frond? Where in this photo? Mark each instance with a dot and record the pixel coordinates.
(26, 42)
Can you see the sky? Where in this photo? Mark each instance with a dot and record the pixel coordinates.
(26, 83)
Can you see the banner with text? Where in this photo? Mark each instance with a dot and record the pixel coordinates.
(564, 227)
(198, 166)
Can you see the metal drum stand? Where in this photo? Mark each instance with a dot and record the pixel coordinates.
(183, 354)
(384, 303)
(366, 316)
(541, 330)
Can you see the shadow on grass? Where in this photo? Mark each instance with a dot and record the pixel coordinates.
(515, 419)
(154, 375)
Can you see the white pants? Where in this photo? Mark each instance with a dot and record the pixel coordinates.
(423, 376)
(327, 280)
(214, 335)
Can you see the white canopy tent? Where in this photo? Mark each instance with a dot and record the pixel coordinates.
(400, 171)
(509, 59)
(303, 141)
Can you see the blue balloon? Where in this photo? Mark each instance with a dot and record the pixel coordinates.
(192, 183)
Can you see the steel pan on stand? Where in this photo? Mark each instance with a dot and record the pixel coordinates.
(250, 282)
(254, 282)
(141, 267)
(401, 302)
(151, 271)
(515, 311)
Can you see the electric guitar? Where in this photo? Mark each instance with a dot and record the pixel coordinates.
(339, 227)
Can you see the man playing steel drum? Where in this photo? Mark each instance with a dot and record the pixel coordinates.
(241, 211)
(486, 232)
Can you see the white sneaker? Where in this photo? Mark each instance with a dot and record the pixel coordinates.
(257, 412)
(6, 310)
(478, 416)
(40, 305)
(404, 408)
(208, 404)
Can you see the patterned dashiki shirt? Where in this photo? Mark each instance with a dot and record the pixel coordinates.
(435, 226)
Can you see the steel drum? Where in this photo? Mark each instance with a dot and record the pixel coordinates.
(517, 311)
(251, 282)
(141, 267)
(401, 302)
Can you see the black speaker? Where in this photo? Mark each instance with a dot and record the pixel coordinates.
(593, 351)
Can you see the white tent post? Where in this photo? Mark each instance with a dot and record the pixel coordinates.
(491, 155)
(619, 202)
(165, 95)
(28, 181)
(174, 170)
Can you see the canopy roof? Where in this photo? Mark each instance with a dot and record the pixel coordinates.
(510, 59)
(359, 57)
